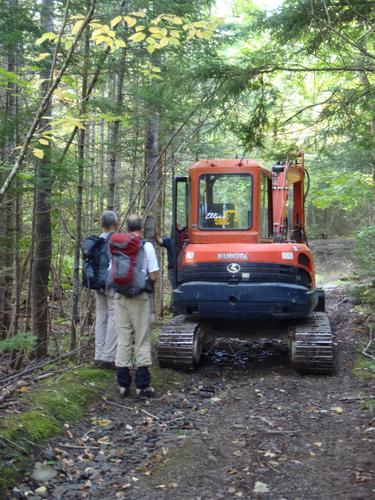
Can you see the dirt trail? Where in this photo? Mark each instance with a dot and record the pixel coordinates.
(239, 427)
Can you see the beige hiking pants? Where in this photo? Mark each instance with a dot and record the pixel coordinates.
(133, 331)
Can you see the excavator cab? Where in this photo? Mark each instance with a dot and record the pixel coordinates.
(240, 252)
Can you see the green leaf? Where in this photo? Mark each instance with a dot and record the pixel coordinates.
(39, 153)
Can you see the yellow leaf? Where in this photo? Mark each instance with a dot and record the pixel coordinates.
(103, 39)
(76, 27)
(39, 153)
(163, 42)
(150, 49)
(139, 13)
(23, 389)
(154, 30)
(42, 56)
(175, 33)
(156, 20)
(137, 37)
(104, 440)
(200, 24)
(206, 35)
(337, 409)
(130, 21)
(176, 20)
(96, 33)
(46, 36)
(95, 25)
(44, 142)
(103, 422)
(156, 69)
(150, 40)
(139, 28)
(115, 21)
(191, 34)
(120, 43)
(174, 41)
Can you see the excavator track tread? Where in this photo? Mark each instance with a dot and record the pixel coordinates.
(312, 345)
(179, 344)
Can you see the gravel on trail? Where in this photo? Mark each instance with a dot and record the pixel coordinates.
(241, 426)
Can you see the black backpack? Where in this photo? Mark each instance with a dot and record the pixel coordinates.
(95, 262)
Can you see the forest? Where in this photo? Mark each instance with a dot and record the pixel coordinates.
(102, 105)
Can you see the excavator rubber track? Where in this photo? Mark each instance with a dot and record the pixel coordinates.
(180, 344)
(311, 345)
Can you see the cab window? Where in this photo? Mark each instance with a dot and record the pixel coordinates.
(225, 201)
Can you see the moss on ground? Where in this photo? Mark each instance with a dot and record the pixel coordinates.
(54, 402)
(364, 368)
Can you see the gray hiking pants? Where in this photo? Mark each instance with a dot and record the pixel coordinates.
(105, 327)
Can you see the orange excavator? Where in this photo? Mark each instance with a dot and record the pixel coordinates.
(242, 263)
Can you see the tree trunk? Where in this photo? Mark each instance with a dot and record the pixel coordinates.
(80, 179)
(42, 235)
(114, 136)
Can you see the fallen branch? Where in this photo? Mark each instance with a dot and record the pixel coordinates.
(365, 350)
(36, 366)
(79, 447)
(357, 398)
(134, 409)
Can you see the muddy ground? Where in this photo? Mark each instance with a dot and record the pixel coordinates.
(244, 425)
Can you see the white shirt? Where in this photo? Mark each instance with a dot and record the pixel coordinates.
(151, 259)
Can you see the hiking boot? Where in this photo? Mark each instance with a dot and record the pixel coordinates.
(142, 377)
(147, 392)
(124, 391)
(123, 377)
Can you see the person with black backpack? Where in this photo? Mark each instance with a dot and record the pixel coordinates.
(96, 266)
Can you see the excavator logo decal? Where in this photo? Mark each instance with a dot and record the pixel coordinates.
(233, 267)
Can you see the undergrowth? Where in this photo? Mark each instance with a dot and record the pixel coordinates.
(53, 403)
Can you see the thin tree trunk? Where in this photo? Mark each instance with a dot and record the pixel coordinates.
(114, 129)
(80, 179)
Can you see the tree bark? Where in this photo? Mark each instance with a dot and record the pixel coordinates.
(80, 180)
(114, 136)
(42, 235)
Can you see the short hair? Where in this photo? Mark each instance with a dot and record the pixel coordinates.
(108, 219)
(134, 223)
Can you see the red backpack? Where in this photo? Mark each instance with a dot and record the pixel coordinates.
(128, 274)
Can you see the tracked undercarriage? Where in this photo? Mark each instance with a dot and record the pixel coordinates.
(310, 341)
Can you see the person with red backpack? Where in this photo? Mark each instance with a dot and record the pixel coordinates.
(134, 271)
